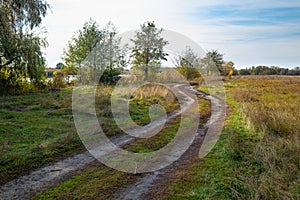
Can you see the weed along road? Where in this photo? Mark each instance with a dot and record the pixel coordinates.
(144, 185)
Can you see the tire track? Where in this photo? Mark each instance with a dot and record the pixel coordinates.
(150, 184)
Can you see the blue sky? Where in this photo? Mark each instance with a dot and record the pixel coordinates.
(255, 32)
(240, 16)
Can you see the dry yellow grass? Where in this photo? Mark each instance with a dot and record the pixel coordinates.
(271, 104)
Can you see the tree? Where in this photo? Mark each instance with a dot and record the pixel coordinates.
(60, 65)
(228, 69)
(217, 58)
(187, 64)
(212, 62)
(81, 44)
(244, 72)
(100, 48)
(111, 56)
(148, 51)
(20, 46)
(108, 51)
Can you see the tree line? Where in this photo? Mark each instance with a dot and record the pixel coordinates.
(145, 56)
(22, 62)
(267, 70)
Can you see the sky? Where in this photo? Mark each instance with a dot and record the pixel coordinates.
(248, 32)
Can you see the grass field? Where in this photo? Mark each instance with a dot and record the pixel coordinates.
(38, 128)
(35, 129)
(257, 155)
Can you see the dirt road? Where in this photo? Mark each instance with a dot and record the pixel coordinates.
(50, 175)
(153, 185)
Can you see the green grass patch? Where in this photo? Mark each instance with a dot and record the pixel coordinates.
(94, 183)
(158, 141)
(35, 129)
